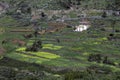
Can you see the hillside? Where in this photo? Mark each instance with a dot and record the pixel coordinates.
(59, 40)
(56, 4)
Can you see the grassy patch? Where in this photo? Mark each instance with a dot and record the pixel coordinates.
(26, 58)
(72, 51)
(40, 54)
(51, 47)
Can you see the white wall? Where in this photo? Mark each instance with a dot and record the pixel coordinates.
(81, 28)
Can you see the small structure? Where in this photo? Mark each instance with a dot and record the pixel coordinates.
(83, 26)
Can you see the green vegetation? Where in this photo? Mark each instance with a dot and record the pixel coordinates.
(63, 54)
(76, 49)
(72, 51)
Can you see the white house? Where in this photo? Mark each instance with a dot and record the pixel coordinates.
(83, 26)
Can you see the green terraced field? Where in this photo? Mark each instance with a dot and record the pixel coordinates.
(70, 54)
(93, 54)
(72, 51)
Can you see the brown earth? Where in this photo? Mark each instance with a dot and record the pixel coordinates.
(19, 42)
(2, 51)
(55, 26)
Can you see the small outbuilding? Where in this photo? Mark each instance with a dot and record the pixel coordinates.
(83, 26)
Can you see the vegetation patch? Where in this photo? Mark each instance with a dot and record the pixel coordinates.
(39, 54)
(51, 47)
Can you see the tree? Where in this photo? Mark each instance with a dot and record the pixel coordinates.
(113, 4)
(117, 4)
(69, 3)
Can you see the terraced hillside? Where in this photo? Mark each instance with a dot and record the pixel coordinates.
(73, 50)
(51, 49)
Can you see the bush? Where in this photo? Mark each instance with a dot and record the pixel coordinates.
(3, 78)
(7, 72)
(25, 76)
(95, 57)
(99, 69)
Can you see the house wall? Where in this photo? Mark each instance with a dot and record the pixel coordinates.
(81, 28)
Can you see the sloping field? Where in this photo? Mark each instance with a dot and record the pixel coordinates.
(72, 51)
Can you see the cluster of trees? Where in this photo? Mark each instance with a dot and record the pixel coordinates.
(69, 3)
(102, 4)
(93, 72)
(37, 45)
(96, 4)
(100, 59)
(8, 73)
(20, 11)
(113, 4)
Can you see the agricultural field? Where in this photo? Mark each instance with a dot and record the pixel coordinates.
(71, 53)
(59, 40)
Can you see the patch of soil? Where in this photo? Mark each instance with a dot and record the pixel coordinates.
(55, 26)
(2, 51)
(14, 41)
(19, 42)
